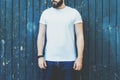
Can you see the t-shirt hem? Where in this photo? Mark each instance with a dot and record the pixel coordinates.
(60, 60)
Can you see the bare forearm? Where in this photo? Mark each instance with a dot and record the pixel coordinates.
(40, 45)
(80, 40)
(41, 39)
(80, 47)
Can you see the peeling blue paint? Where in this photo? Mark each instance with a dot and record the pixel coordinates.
(19, 28)
(2, 48)
(29, 27)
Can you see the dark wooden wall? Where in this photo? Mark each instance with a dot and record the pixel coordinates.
(18, 33)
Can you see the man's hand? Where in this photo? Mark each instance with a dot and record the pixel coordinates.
(42, 63)
(77, 64)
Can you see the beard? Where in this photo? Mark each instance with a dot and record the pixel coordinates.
(56, 4)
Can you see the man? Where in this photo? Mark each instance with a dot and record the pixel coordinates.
(63, 54)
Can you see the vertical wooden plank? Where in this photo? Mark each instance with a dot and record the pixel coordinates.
(98, 38)
(8, 45)
(71, 3)
(2, 58)
(118, 40)
(78, 4)
(29, 43)
(15, 46)
(2, 39)
(85, 17)
(22, 39)
(117, 77)
(118, 13)
(113, 38)
(35, 32)
(43, 4)
(106, 40)
(48, 3)
(92, 59)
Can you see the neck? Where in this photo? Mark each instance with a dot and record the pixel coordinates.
(62, 6)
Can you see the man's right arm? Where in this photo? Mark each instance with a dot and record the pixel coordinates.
(40, 45)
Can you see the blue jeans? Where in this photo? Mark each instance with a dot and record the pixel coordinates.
(58, 71)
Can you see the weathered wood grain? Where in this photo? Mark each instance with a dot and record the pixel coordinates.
(19, 24)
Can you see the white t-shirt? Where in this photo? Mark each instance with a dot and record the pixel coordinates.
(60, 45)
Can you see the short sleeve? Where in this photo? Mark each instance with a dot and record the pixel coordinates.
(78, 18)
(42, 18)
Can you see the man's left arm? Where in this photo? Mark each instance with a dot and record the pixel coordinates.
(80, 46)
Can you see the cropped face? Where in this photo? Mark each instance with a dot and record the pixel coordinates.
(57, 3)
